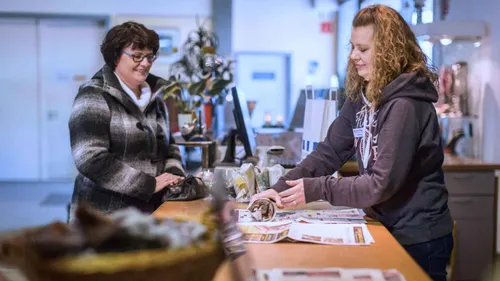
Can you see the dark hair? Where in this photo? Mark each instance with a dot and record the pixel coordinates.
(126, 34)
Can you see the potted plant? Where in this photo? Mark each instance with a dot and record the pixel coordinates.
(201, 76)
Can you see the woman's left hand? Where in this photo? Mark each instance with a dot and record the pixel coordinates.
(295, 195)
(171, 179)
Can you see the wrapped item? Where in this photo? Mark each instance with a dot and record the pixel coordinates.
(244, 183)
(250, 180)
(262, 179)
(227, 175)
(247, 171)
(241, 188)
(263, 209)
(275, 173)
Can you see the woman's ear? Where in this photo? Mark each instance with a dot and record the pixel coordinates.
(118, 59)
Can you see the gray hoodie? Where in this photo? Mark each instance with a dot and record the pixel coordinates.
(400, 154)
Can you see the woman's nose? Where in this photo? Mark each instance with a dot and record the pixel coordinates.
(145, 62)
(354, 56)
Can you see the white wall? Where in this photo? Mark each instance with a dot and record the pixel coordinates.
(110, 7)
(289, 26)
(395, 4)
(346, 13)
(182, 15)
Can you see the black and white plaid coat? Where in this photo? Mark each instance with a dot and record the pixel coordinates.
(118, 149)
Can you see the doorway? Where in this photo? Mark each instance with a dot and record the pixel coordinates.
(47, 60)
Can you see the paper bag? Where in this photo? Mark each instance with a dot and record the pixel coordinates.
(319, 115)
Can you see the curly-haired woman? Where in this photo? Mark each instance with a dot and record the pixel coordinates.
(389, 121)
(120, 137)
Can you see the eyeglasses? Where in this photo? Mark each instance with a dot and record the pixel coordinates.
(138, 58)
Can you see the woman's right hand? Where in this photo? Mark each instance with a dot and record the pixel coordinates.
(166, 179)
(271, 194)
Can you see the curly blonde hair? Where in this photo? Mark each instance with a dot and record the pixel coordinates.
(396, 51)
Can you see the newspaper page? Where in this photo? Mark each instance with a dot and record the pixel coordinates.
(328, 274)
(331, 234)
(266, 232)
(308, 216)
(331, 216)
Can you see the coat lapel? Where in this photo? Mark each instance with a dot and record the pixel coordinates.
(113, 88)
(106, 79)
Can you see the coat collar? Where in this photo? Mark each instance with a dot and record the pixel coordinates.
(108, 82)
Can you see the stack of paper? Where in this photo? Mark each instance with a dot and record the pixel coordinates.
(343, 216)
(333, 234)
(329, 274)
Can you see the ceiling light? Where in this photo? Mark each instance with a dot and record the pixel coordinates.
(445, 41)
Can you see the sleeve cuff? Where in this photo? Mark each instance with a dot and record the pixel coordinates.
(175, 167)
(280, 185)
(148, 189)
(312, 189)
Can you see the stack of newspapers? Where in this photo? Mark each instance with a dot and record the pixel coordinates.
(339, 226)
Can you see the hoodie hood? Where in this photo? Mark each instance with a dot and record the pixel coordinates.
(410, 85)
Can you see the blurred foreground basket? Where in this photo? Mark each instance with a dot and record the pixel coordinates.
(197, 262)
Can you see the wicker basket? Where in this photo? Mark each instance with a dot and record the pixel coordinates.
(198, 262)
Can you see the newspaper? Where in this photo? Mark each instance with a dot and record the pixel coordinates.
(347, 215)
(328, 274)
(332, 234)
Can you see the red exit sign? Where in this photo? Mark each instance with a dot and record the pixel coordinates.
(326, 27)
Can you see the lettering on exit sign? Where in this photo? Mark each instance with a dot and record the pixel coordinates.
(326, 27)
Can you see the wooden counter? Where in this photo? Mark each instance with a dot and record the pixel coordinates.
(386, 253)
(451, 164)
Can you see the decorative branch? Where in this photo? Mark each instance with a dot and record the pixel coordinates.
(200, 72)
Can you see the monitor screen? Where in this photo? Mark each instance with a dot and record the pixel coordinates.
(243, 122)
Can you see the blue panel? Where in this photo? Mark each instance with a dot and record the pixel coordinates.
(263, 76)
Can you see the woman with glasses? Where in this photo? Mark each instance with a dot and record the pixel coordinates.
(120, 137)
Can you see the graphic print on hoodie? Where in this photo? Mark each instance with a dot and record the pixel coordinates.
(399, 151)
(366, 120)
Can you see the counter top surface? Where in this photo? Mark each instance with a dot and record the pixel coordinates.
(385, 253)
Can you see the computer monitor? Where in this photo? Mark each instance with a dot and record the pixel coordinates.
(243, 132)
(243, 122)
